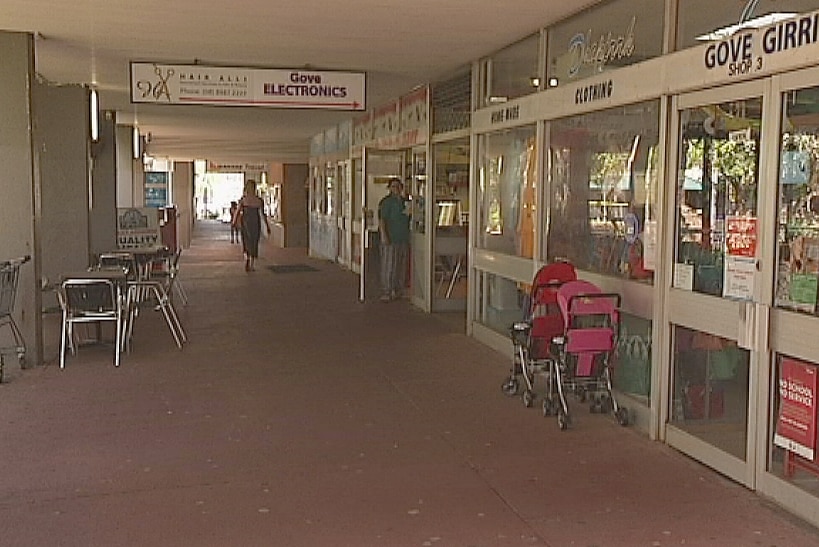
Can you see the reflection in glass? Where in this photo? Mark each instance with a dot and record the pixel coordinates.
(717, 198)
(632, 358)
(513, 71)
(700, 21)
(605, 37)
(710, 389)
(500, 302)
(507, 192)
(604, 191)
(798, 219)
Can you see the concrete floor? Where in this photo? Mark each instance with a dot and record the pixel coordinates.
(296, 416)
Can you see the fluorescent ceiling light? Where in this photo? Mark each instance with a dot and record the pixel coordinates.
(95, 116)
(136, 143)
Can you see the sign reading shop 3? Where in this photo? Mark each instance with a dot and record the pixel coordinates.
(748, 52)
(157, 83)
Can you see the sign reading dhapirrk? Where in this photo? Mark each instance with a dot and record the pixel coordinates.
(157, 83)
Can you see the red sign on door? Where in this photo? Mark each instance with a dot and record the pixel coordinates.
(796, 427)
(740, 236)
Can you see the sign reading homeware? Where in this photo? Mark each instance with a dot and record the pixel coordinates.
(157, 83)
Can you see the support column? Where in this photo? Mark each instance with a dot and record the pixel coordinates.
(183, 200)
(18, 208)
(103, 219)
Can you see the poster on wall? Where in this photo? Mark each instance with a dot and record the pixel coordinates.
(740, 257)
(137, 228)
(156, 189)
(796, 425)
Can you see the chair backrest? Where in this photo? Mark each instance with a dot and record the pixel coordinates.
(83, 296)
(123, 260)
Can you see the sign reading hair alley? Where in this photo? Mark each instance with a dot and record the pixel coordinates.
(157, 83)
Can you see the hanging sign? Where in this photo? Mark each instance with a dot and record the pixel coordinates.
(156, 83)
(796, 426)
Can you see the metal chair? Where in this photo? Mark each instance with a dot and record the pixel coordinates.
(137, 292)
(90, 301)
(169, 276)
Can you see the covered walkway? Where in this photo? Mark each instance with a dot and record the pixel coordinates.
(296, 416)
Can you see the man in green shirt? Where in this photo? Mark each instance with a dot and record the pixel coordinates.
(393, 225)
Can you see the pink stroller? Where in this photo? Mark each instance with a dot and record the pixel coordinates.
(584, 351)
(532, 337)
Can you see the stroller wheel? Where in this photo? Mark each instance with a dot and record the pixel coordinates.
(594, 408)
(622, 416)
(581, 394)
(510, 387)
(562, 420)
(528, 398)
(547, 407)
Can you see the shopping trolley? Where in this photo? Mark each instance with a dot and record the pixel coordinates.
(9, 277)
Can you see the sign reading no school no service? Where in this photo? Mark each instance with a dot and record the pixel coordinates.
(157, 83)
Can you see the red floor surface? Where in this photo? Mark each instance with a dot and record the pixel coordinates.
(297, 416)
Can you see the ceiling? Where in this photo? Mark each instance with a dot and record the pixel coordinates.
(399, 45)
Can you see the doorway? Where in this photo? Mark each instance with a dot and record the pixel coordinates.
(716, 258)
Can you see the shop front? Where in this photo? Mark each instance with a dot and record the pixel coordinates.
(670, 152)
(687, 183)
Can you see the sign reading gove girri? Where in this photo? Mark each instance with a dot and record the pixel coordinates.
(157, 83)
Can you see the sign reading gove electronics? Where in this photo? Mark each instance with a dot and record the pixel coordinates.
(234, 86)
(751, 52)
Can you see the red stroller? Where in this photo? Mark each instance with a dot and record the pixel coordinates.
(591, 321)
(531, 338)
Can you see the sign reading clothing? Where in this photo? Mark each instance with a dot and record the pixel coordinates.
(157, 83)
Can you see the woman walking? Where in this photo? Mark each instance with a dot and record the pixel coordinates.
(249, 217)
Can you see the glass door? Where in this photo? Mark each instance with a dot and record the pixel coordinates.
(789, 471)
(715, 287)
(345, 212)
(419, 255)
(379, 167)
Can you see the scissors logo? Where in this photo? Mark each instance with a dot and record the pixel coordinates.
(158, 89)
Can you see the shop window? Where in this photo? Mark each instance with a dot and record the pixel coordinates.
(500, 302)
(710, 389)
(605, 37)
(701, 21)
(717, 199)
(792, 452)
(512, 72)
(276, 203)
(604, 172)
(798, 219)
(507, 192)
